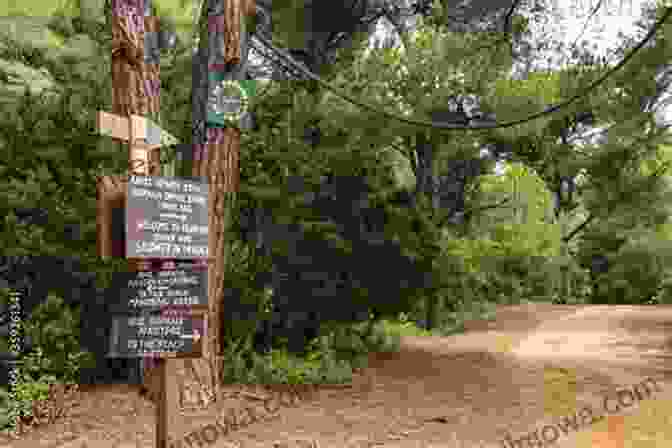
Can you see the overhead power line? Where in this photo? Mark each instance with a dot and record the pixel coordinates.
(461, 127)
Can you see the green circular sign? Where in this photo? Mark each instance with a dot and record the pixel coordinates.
(229, 100)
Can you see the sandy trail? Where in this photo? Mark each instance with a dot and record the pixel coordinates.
(527, 370)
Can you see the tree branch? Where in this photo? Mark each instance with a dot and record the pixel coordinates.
(397, 27)
(458, 126)
(488, 207)
(592, 217)
(509, 15)
(579, 228)
(469, 213)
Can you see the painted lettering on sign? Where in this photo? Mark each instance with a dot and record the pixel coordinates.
(154, 346)
(168, 250)
(166, 218)
(154, 335)
(152, 290)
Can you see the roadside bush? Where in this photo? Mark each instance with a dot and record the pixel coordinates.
(33, 385)
(454, 321)
(501, 271)
(53, 328)
(330, 358)
(26, 393)
(664, 294)
(55, 357)
(244, 365)
(637, 275)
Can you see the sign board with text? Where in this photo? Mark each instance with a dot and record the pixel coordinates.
(166, 218)
(150, 291)
(176, 336)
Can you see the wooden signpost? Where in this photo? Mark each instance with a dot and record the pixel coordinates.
(152, 213)
(159, 315)
(136, 86)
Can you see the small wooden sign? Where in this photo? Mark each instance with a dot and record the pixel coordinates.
(118, 127)
(155, 335)
(151, 291)
(166, 218)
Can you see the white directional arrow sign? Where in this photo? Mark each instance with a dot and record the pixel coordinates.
(195, 336)
(143, 335)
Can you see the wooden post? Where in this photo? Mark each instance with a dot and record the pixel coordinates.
(132, 93)
(136, 89)
(145, 138)
(215, 155)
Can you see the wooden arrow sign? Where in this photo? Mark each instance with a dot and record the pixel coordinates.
(139, 128)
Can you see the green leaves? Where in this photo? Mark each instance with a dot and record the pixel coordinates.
(289, 19)
(542, 88)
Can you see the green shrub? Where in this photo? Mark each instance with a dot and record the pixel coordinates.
(243, 365)
(30, 387)
(330, 358)
(383, 339)
(664, 294)
(62, 24)
(54, 330)
(637, 275)
(452, 322)
(499, 270)
(55, 357)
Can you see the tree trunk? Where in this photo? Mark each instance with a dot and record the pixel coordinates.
(218, 162)
(216, 158)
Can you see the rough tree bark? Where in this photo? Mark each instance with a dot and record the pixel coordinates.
(215, 157)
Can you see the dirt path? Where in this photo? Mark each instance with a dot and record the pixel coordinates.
(529, 369)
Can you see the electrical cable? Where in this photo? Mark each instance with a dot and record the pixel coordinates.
(455, 126)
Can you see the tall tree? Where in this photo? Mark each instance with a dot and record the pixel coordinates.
(600, 180)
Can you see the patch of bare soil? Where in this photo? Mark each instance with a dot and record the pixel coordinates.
(121, 416)
(526, 370)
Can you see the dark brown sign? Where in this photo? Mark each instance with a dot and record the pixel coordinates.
(148, 335)
(166, 218)
(151, 291)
